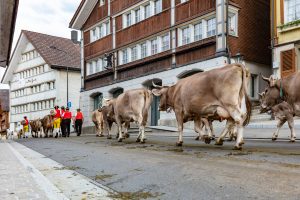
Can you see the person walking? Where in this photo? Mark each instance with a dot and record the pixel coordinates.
(67, 117)
(25, 124)
(57, 121)
(63, 121)
(78, 122)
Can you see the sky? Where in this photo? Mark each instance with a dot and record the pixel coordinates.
(45, 16)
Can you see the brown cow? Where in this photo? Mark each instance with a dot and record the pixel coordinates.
(47, 124)
(97, 118)
(279, 91)
(218, 93)
(36, 128)
(132, 106)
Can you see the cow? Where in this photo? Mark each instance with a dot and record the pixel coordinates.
(277, 92)
(47, 124)
(97, 118)
(36, 128)
(132, 106)
(219, 94)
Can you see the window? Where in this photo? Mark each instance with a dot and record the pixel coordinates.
(143, 50)
(102, 2)
(101, 31)
(185, 35)
(165, 42)
(157, 6)
(128, 19)
(182, 1)
(137, 15)
(211, 27)
(125, 57)
(154, 47)
(98, 101)
(104, 64)
(107, 28)
(232, 24)
(291, 10)
(198, 32)
(90, 68)
(94, 35)
(99, 65)
(147, 11)
(133, 53)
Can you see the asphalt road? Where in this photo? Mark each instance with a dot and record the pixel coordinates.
(159, 170)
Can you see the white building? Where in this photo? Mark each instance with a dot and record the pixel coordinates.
(37, 75)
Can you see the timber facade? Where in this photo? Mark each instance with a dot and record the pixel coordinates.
(165, 40)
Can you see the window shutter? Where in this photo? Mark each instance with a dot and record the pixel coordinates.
(288, 64)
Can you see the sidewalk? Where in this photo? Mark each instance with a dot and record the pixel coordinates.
(26, 174)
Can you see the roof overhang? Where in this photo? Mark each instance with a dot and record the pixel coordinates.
(82, 13)
(8, 15)
(65, 68)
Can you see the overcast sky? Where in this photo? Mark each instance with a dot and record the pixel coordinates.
(45, 16)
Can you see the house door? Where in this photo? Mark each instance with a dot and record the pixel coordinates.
(155, 113)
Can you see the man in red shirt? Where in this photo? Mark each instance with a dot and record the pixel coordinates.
(78, 122)
(67, 116)
(25, 127)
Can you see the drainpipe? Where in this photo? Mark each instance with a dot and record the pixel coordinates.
(272, 31)
(227, 33)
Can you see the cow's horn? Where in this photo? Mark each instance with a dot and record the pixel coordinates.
(156, 86)
(106, 99)
(260, 94)
(265, 79)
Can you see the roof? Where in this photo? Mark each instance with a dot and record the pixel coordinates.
(4, 100)
(82, 13)
(57, 52)
(8, 15)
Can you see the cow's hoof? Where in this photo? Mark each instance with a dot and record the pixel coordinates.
(109, 137)
(138, 140)
(237, 148)
(117, 136)
(242, 142)
(99, 135)
(197, 138)
(213, 137)
(143, 141)
(56, 136)
(120, 140)
(127, 135)
(219, 142)
(179, 144)
(274, 138)
(206, 139)
(293, 140)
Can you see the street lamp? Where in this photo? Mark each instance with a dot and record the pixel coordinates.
(55, 48)
(238, 58)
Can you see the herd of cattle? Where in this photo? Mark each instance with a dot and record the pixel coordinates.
(219, 94)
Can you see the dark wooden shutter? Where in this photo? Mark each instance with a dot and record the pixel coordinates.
(288, 64)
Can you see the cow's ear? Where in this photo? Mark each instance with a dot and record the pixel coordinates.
(156, 92)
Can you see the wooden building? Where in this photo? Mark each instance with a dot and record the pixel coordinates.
(165, 40)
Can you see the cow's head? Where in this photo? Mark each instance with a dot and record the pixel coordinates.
(162, 92)
(270, 96)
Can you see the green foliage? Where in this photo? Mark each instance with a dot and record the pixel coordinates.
(290, 24)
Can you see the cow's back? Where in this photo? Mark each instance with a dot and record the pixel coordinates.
(215, 87)
(293, 89)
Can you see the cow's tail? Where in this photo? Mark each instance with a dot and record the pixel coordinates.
(147, 103)
(244, 94)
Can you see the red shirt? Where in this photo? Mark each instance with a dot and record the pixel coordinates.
(79, 115)
(57, 113)
(26, 122)
(67, 115)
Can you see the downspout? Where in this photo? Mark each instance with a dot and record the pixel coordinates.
(272, 31)
(227, 33)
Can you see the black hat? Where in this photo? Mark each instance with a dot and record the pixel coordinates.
(67, 108)
(25, 117)
(56, 107)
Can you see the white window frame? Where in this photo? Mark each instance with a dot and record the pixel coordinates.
(165, 43)
(186, 35)
(102, 2)
(154, 46)
(293, 5)
(124, 56)
(134, 53)
(211, 27)
(233, 23)
(199, 30)
(157, 6)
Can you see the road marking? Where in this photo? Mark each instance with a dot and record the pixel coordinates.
(62, 180)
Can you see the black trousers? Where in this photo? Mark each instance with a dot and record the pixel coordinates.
(68, 127)
(63, 127)
(78, 126)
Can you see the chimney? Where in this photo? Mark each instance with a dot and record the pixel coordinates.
(74, 37)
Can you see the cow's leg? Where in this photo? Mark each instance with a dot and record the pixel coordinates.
(208, 135)
(238, 119)
(108, 125)
(220, 139)
(198, 127)
(279, 125)
(126, 127)
(118, 121)
(291, 126)
(210, 122)
(179, 118)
